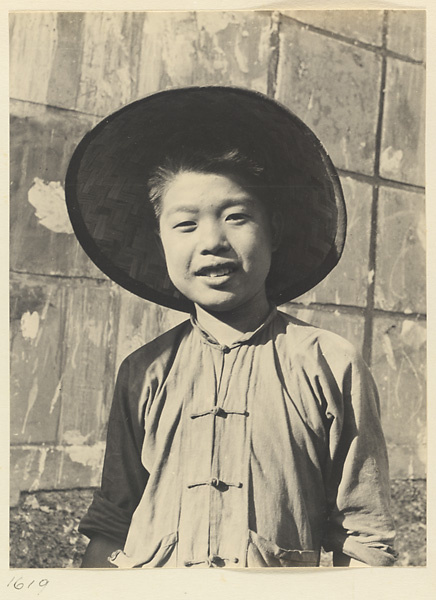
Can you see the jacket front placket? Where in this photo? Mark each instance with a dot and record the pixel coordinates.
(213, 524)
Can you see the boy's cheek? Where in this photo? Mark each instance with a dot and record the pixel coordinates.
(177, 265)
(171, 247)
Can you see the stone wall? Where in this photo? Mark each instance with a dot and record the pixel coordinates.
(356, 77)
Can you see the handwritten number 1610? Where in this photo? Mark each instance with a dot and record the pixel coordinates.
(18, 584)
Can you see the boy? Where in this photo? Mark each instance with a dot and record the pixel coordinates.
(242, 437)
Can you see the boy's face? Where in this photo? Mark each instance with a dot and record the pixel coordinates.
(216, 237)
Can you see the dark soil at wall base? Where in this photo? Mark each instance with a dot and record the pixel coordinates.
(409, 510)
(43, 527)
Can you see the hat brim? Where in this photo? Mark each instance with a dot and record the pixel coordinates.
(107, 198)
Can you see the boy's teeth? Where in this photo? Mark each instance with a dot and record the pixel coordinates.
(218, 272)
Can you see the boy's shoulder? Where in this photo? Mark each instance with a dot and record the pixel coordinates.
(298, 339)
(159, 350)
(304, 338)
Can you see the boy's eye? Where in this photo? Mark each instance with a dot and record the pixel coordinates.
(185, 226)
(237, 217)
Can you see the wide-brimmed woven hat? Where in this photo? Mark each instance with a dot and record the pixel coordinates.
(107, 197)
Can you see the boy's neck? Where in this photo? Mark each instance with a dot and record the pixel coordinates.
(226, 326)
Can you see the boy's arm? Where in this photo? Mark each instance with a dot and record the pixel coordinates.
(360, 525)
(342, 560)
(98, 551)
(124, 477)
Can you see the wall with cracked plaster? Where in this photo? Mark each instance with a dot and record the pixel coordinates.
(356, 77)
(48, 200)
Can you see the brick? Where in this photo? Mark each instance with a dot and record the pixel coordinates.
(400, 283)
(44, 468)
(42, 142)
(346, 325)
(142, 321)
(91, 321)
(334, 88)
(110, 65)
(398, 365)
(63, 85)
(96, 62)
(403, 137)
(33, 40)
(205, 48)
(81, 466)
(406, 33)
(176, 49)
(33, 468)
(348, 282)
(35, 360)
(362, 25)
(233, 48)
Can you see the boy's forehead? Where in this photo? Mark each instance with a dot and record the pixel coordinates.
(194, 190)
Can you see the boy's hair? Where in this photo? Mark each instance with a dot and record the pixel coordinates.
(229, 162)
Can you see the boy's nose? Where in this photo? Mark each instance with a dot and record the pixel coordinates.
(213, 240)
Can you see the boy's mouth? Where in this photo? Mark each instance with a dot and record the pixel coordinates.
(217, 271)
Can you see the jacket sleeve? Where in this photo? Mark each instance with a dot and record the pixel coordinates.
(124, 477)
(357, 483)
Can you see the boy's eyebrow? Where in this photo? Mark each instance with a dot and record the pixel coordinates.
(246, 199)
(186, 208)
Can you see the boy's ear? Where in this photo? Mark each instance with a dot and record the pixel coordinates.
(276, 229)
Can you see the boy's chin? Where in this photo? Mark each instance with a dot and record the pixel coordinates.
(219, 307)
(219, 303)
(233, 304)
(226, 299)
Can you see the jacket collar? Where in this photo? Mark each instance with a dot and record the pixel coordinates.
(209, 339)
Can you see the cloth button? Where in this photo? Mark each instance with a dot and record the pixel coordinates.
(225, 349)
(216, 561)
(215, 410)
(214, 482)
